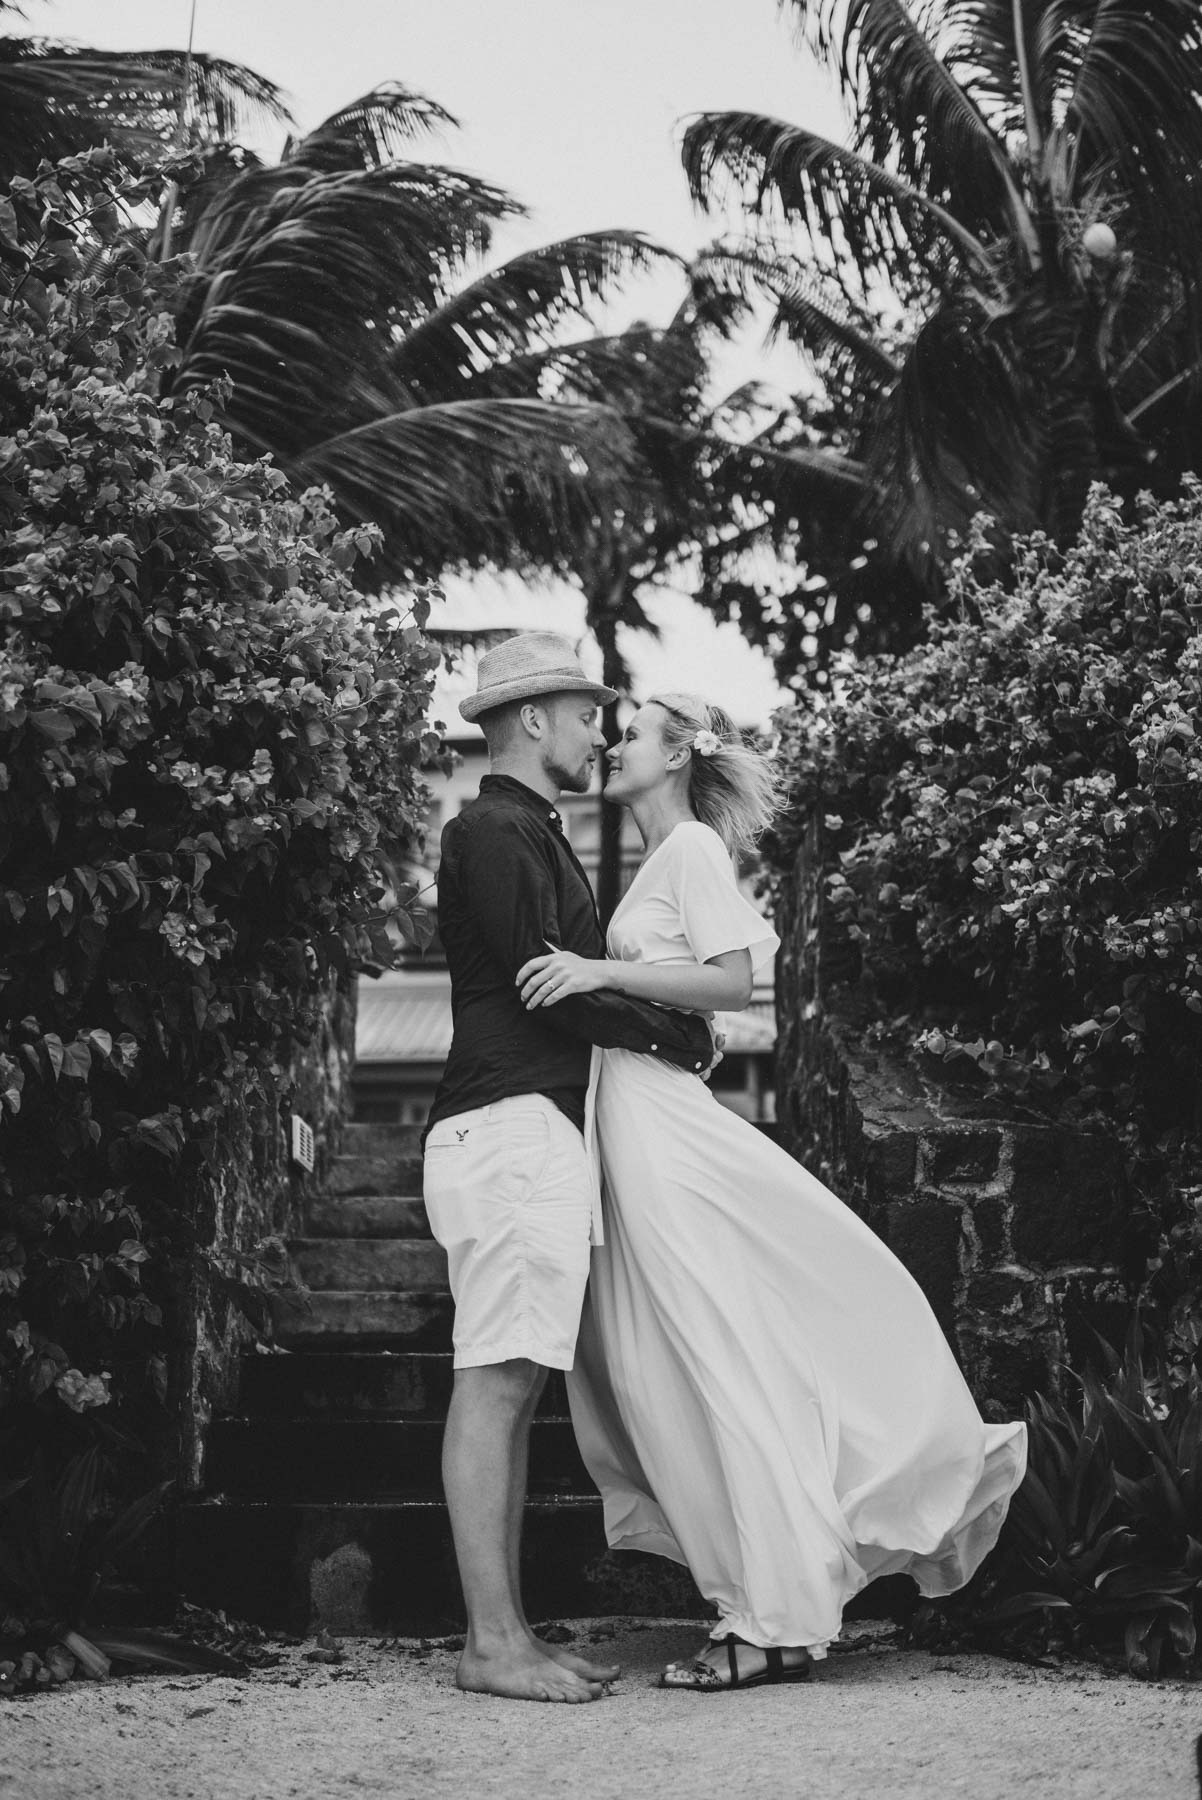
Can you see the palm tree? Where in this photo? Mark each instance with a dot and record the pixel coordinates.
(57, 100)
(709, 479)
(346, 294)
(998, 280)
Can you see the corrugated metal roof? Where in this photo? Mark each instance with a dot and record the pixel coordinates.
(406, 1018)
(750, 1032)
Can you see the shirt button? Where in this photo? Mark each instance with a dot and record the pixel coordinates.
(696, 1065)
(655, 1046)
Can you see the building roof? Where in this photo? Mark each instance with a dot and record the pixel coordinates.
(405, 1017)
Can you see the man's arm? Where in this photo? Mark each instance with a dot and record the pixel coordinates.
(509, 887)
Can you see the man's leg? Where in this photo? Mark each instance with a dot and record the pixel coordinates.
(484, 1468)
(579, 1665)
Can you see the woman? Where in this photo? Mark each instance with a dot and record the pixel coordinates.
(760, 1390)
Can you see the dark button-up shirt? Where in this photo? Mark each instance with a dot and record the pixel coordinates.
(510, 885)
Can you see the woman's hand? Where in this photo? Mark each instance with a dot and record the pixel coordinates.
(547, 979)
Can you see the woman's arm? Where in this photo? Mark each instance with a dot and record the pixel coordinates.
(723, 984)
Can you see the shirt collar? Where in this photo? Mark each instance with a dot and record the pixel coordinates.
(517, 790)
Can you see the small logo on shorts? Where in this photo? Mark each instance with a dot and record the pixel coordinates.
(462, 1134)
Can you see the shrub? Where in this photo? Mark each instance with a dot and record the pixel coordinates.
(211, 754)
(1013, 818)
(1101, 1551)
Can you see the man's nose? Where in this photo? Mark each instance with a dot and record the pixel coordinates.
(598, 737)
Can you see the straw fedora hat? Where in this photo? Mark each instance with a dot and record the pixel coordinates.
(534, 662)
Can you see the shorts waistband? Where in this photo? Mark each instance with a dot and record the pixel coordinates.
(510, 1104)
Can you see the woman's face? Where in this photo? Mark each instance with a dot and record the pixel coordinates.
(638, 762)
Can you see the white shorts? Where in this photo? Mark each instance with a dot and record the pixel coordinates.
(508, 1194)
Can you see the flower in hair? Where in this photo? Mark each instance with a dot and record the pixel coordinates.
(706, 742)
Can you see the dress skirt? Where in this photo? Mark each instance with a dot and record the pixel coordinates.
(761, 1390)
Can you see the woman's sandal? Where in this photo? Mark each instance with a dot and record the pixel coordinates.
(702, 1678)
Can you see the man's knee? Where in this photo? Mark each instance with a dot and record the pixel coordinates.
(506, 1386)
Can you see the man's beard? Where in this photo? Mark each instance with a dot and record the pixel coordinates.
(571, 781)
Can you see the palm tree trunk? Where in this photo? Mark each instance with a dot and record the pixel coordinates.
(613, 674)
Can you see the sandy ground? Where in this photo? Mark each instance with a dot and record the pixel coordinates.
(877, 1721)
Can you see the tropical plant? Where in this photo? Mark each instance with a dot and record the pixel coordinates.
(997, 280)
(210, 755)
(347, 295)
(57, 100)
(1101, 1551)
(1013, 813)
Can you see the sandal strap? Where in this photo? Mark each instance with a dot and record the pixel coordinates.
(732, 1657)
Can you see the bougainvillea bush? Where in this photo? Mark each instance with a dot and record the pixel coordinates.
(210, 754)
(1013, 821)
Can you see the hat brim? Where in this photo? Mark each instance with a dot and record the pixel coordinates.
(529, 688)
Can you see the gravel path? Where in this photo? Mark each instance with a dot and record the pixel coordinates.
(876, 1722)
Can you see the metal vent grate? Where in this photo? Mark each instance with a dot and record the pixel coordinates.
(302, 1142)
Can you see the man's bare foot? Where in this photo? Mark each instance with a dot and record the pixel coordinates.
(524, 1673)
(580, 1665)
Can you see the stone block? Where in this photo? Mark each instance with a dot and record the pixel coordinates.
(925, 1235)
(1002, 1295)
(991, 1217)
(970, 1155)
(890, 1164)
(1068, 1195)
(1088, 1310)
(1004, 1373)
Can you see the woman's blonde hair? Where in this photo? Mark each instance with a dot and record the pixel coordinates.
(734, 788)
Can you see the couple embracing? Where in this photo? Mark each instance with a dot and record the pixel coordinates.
(758, 1387)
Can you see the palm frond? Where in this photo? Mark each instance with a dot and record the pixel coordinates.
(463, 474)
(369, 132)
(56, 101)
(225, 100)
(1135, 101)
(859, 211)
(525, 300)
(638, 369)
(935, 464)
(910, 112)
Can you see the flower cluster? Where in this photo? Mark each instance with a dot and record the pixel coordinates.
(1013, 815)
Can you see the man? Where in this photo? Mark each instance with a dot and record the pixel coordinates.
(510, 1186)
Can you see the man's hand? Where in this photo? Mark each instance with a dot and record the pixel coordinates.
(719, 1042)
(544, 980)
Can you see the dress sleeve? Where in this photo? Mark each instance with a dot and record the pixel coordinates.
(714, 915)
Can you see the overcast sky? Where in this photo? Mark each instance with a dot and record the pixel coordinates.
(574, 106)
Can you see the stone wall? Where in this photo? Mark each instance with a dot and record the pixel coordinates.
(248, 1199)
(1013, 1229)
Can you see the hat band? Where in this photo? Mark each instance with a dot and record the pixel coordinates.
(567, 672)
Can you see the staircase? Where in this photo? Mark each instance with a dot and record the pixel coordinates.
(323, 1498)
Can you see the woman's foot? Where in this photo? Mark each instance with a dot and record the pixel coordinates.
(730, 1663)
(524, 1671)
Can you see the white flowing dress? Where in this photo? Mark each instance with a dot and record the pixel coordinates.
(761, 1391)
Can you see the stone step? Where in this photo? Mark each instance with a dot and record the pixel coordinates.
(390, 1567)
(357, 1459)
(365, 1317)
(377, 1159)
(399, 1264)
(366, 1215)
(380, 1140)
(347, 1384)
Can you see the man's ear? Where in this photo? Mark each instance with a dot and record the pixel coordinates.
(534, 719)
